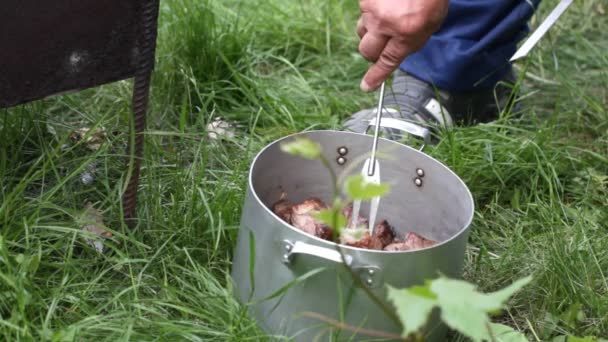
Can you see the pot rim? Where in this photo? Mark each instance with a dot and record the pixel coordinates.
(357, 249)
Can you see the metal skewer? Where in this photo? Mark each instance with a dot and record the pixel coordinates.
(371, 169)
(371, 173)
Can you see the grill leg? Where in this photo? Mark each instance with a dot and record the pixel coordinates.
(141, 90)
(140, 106)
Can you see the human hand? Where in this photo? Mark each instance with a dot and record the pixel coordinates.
(390, 30)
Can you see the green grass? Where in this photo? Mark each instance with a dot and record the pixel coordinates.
(278, 67)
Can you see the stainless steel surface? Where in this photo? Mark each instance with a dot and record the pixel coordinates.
(441, 210)
(525, 48)
(411, 128)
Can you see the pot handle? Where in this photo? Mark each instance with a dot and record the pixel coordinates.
(299, 247)
(401, 125)
(372, 276)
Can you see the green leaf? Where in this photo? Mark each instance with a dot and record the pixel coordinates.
(498, 298)
(504, 333)
(414, 305)
(549, 326)
(465, 309)
(573, 314)
(332, 217)
(357, 188)
(472, 323)
(302, 147)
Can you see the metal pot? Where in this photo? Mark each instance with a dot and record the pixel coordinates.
(271, 257)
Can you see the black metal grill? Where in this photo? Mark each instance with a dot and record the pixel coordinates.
(50, 47)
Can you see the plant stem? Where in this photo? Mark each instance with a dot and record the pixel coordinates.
(335, 234)
(343, 326)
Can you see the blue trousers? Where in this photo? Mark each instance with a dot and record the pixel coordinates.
(471, 50)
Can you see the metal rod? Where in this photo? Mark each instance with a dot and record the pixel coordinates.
(542, 29)
(371, 168)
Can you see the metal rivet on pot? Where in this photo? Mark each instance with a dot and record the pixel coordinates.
(342, 150)
(286, 259)
(371, 276)
(341, 160)
(288, 247)
(418, 181)
(420, 172)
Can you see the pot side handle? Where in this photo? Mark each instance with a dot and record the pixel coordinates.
(299, 247)
(371, 275)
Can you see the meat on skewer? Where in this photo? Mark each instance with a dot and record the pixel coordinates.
(356, 237)
(347, 211)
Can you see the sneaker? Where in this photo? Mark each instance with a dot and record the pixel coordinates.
(418, 103)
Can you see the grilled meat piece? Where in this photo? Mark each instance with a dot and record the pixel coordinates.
(303, 219)
(376, 243)
(305, 223)
(282, 208)
(412, 241)
(417, 241)
(383, 238)
(384, 233)
(356, 237)
(395, 246)
(324, 232)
